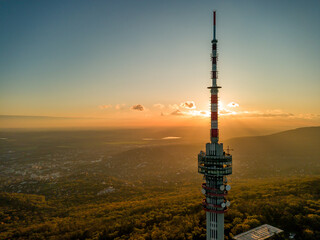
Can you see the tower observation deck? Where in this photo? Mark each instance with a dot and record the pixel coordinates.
(215, 164)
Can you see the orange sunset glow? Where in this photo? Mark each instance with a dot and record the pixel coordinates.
(153, 71)
(159, 120)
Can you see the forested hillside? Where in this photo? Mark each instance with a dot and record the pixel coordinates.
(290, 204)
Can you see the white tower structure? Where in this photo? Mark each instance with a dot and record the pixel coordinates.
(215, 164)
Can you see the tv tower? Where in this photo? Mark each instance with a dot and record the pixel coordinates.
(215, 164)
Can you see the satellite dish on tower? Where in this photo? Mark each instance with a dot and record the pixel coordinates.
(222, 187)
(228, 204)
(228, 187)
(203, 191)
(223, 205)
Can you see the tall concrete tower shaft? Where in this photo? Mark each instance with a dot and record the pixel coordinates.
(215, 164)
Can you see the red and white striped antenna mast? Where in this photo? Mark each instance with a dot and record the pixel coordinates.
(215, 164)
(214, 133)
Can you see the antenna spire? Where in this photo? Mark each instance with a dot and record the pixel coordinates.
(214, 25)
(214, 132)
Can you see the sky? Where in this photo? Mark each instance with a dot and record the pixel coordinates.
(147, 63)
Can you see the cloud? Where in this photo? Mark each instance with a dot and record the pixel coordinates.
(173, 106)
(138, 107)
(308, 116)
(105, 106)
(259, 114)
(159, 105)
(120, 106)
(233, 104)
(273, 113)
(195, 113)
(225, 111)
(188, 105)
(177, 113)
(171, 138)
(147, 139)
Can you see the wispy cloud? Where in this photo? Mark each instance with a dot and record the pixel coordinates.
(120, 106)
(173, 106)
(196, 113)
(159, 105)
(188, 105)
(309, 116)
(188, 109)
(138, 107)
(231, 110)
(170, 138)
(233, 104)
(268, 113)
(225, 111)
(105, 106)
(177, 113)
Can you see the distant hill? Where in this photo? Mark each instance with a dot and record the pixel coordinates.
(290, 153)
(293, 152)
(147, 155)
